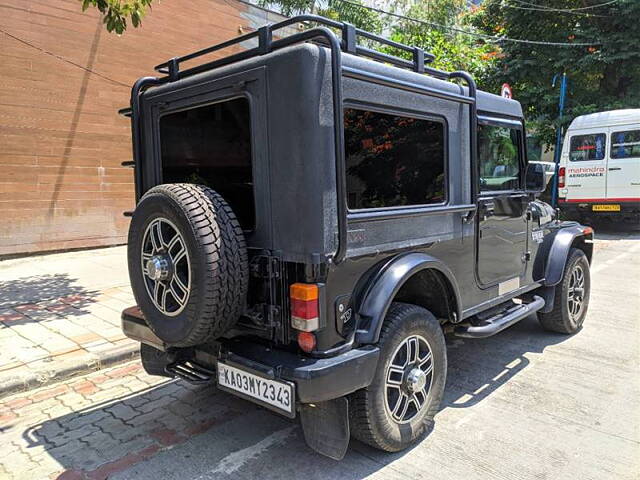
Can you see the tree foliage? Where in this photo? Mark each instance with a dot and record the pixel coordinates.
(452, 50)
(115, 13)
(601, 76)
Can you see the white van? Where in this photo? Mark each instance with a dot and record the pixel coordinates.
(599, 171)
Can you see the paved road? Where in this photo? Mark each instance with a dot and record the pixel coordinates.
(522, 405)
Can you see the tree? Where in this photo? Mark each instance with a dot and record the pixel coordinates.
(426, 26)
(115, 13)
(603, 74)
(431, 30)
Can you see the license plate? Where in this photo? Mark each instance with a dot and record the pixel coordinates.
(605, 208)
(272, 393)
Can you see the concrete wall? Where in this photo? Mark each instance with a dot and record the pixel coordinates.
(61, 140)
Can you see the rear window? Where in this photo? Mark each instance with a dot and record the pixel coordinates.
(211, 146)
(393, 160)
(587, 147)
(625, 144)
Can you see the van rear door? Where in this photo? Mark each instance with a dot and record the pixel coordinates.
(585, 176)
(623, 166)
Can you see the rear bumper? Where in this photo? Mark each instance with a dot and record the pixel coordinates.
(316, 379)
(584, 208)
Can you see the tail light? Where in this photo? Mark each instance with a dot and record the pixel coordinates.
(561, 175)
(306, 341)
(304, 306)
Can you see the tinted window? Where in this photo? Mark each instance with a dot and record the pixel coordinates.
(211, 145)
(393, 160)
(499, 157)
(587, 147)
(625, 144)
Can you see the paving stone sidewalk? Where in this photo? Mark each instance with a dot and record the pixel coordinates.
(104, 422)
(60, 315)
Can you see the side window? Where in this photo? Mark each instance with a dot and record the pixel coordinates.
(587, 147)
(499, 157)
(393, 160)
(625, 144)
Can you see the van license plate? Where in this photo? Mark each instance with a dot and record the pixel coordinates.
(272, 393)
(605, 208)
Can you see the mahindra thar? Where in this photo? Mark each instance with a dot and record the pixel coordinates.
(314, 215)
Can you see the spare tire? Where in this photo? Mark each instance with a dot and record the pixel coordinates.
(187, 263)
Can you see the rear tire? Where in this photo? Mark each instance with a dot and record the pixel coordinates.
(571, 296)
(377, 414)
(187, 263)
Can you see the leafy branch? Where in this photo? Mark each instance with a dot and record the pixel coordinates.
(115, 13)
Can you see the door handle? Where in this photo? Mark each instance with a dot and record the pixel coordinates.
(615, 168)
(467, 217)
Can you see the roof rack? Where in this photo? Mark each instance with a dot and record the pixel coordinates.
(348, 43)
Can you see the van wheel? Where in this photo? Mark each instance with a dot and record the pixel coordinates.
(399, 405)
(187, 263)
(571, 296)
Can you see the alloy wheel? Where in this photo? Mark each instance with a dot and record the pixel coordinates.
(408, 379)
(166, 267)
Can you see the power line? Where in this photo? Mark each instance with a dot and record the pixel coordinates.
(552, 9)
(70, 62)
(474, 34)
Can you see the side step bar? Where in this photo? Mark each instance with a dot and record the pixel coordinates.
(497, 323)
(191, 372)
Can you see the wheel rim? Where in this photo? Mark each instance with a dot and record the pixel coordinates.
(408, 379)
(166, 267)
(575, 295)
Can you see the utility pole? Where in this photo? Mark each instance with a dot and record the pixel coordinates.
(557, 151)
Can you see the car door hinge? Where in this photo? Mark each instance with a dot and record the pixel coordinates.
(526, 256)
(263, 266)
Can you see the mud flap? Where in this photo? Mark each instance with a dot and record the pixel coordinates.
(326, 427)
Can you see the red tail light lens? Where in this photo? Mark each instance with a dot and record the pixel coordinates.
(561, 176)
(304, 306)
(306, 341)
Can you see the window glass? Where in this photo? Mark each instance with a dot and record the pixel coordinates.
(625, 144)
(499, 157)
(211, 145)
(587, 147)
(393, 160)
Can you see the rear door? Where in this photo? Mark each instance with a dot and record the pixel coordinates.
(586, 165)
(623, 166)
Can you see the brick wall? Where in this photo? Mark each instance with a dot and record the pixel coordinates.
(61, 140)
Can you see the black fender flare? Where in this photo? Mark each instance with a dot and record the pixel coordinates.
(559, 251)
(384, 286)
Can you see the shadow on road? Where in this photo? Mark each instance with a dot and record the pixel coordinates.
(38, 288)
(479, 367)
(124, 431)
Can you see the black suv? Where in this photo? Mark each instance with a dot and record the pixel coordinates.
(314, 215)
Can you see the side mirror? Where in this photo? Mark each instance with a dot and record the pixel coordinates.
(535, 180)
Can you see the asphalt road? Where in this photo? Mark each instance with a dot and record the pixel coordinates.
(524, 404)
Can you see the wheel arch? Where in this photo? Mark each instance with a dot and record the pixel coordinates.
(407, 278)
(577, 236)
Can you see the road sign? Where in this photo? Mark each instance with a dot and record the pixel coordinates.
(505, 91)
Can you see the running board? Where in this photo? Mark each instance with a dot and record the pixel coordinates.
(191, 372)
(497, 323)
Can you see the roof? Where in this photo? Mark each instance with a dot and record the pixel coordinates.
(486, 102)
(612, 117)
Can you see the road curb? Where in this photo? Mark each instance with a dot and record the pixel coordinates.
(63, 370)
